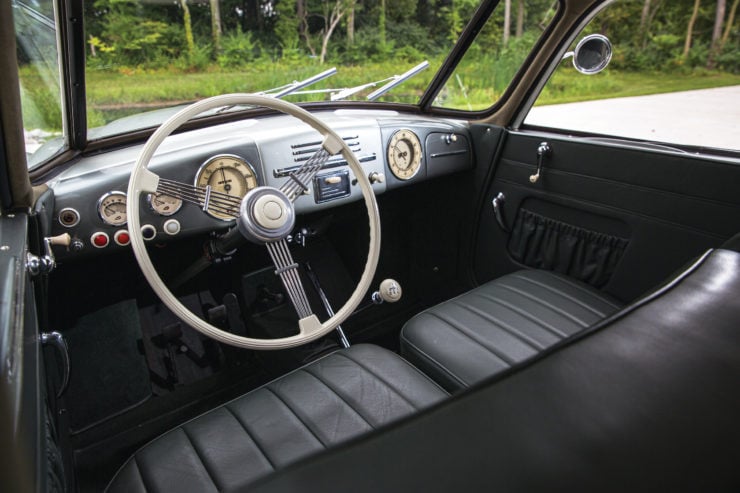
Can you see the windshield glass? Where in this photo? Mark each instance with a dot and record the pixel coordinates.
(147, 56)
(497, 53)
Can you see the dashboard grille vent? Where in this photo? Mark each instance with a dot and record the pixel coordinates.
(302, 152)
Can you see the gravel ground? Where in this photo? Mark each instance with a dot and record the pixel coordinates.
(706, 117)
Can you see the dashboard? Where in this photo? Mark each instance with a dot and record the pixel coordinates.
(228, 160)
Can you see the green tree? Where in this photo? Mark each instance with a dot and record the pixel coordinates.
(216, 25)
(130, 36)
(188, 25)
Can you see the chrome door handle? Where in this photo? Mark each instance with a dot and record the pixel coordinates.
(56, 340)
(498, 210)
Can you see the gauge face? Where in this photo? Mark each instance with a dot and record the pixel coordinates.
(230, 175)
(404, 154)
(162, 204)
(112, 208)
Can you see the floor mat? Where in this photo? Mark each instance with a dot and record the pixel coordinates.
(177, 354)
(108, 373)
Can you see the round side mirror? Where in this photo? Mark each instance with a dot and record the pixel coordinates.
(592, 54)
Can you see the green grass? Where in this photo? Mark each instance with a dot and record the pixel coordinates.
(571, 86)
(113, 94)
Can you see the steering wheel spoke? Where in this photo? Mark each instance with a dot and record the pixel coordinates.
(205, 198)
(287, 269)
(299, 180)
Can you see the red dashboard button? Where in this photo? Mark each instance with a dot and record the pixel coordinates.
(122, 238)
(100, 240)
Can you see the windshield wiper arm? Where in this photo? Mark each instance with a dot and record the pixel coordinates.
(282, 91)
(347, 92)
(299, 84)
(396, 80)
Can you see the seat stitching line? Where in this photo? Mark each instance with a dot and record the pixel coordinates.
(568, 297)
(251, 436)
(382, 380)
(505, 327)
(341, 397)
(274, 392)
(141, 474)
(200, 458)
(443, 368)
(420, 373)
(467, 334)
(564, 295)
(594, 295)
(545, 303)
(548, 327)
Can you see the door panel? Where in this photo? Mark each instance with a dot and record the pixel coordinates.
(21, 390)
(669, 206)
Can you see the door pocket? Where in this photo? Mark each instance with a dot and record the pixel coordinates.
(545, 243)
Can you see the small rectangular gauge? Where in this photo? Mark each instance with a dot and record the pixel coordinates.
(330, 186)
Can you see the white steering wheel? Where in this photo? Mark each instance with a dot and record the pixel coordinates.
(265, 215)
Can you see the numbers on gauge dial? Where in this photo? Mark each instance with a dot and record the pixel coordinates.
(112, 208)
(404, 154)
(228, 175)
(162, 204)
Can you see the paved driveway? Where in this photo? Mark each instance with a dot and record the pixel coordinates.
(706, 117)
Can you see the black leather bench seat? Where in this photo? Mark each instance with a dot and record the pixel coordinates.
(338, 397)
(499, 324)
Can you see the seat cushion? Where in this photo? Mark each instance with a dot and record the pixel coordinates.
(499, 324)
(338, 397)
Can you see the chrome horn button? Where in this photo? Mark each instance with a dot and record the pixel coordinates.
(266, 214)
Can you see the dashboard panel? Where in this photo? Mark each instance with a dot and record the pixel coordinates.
(88, 196)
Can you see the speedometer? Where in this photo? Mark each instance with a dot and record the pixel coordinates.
(112, 208)
(225, 175)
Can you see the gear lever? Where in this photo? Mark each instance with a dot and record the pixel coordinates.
(389, 291)
(325, 301)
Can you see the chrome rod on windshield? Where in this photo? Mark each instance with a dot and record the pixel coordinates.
(289, 88)
(295, 86)
(398, 79)
(349, 91)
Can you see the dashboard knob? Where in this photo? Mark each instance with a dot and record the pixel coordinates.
(376, 177)
(76, 245)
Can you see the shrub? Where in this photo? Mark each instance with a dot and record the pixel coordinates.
(237, 49)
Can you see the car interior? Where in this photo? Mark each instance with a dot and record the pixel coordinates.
(407, 299)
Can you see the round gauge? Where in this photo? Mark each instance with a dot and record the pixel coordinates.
(404, 154)
(162, 204)
(225, 174)
(112, 208)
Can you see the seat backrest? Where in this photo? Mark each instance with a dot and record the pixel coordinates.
(648, 399)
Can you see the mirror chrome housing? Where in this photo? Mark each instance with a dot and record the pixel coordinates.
(592, 54)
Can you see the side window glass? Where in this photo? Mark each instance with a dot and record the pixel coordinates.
(39, 75)
(674, 77)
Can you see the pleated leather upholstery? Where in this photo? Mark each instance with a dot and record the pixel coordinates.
(336, 398)
(499, 324)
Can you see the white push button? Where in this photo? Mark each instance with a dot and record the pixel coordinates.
(269, 212)
(272, 210)
(171, 227)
